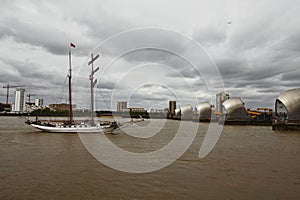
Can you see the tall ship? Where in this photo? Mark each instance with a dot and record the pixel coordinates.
(71, 126)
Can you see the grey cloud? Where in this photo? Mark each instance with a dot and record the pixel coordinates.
(34, 79)
(187, 72)
(292, 43)
(230, 68)
(153, 97)
(106, 85)
(291, 84)
(144, 44)
(209, 36)
(257, 55)
(100, 24)
(44, 35)
(31, 71)
(270, 90)
(291, 75)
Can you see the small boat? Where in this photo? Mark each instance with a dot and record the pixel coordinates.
(74, 127)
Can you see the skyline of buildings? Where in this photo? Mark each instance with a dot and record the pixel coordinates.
(20, 105)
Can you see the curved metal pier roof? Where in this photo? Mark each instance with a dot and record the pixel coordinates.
(204, 110)
(235, 109)
(291, 100)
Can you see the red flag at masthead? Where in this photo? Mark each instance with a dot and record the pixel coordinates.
(72, 45)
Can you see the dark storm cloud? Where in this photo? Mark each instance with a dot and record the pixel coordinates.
(106, 85)
(31, 75)
(43, 35)
(293, 75)
(29, 70)
(257, 55)
(230, 68)
(145, 44)
(291, 84)
(150, 85)
(148, 55)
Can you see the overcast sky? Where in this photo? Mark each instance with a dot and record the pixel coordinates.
(255, 45)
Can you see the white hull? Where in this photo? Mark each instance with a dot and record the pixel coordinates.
(74, 129)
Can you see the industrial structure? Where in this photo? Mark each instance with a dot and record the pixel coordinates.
(38, 102)
(235, 112)
(184, 113)
(287, 110)
(204, 112)
(261, 116)
(172, 108)
(7, 90)
(220, 99)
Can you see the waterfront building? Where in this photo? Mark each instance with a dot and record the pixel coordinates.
(38, 102)
(122, 106)
(136, 109)
(61, 107)
(5, 107)
(220, 99)
(157, 110)
(261, 116)
(19, 105)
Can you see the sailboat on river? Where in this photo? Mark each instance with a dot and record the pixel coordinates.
(70, 126)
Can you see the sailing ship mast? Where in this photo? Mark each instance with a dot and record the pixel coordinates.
(70, 85)
(93, 83)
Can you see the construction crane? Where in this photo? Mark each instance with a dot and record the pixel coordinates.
(30, 95)
(7, 90)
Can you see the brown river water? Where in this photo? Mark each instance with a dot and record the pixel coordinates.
(248, 162)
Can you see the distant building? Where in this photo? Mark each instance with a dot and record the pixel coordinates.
(136, 109)
(61, 107)
(19, 100)
(39, 102)
(157, 110)
(172, 107)
(5, 107)
(220, 98)
(121, 106)
(260, 115)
